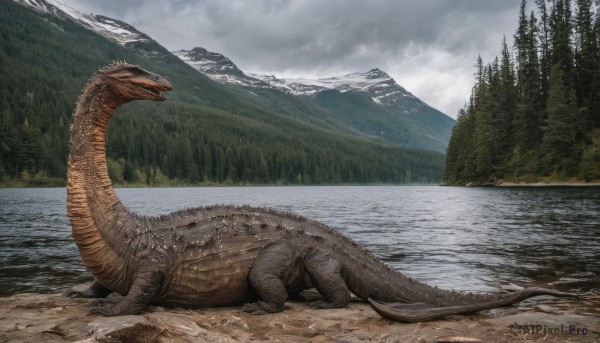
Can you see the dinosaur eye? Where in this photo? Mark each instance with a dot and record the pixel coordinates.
(137, 72)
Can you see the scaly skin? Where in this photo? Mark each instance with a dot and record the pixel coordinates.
(220, 255)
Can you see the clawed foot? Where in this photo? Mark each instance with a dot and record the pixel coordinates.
(77, 294)
(322, 305)
(253, 308)
(101, 307)
(261, 307)
(95, 290)
(74, 294)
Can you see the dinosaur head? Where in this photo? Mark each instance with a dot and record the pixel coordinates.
(130, 82)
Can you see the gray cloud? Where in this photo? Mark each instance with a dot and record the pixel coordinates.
(428, 46)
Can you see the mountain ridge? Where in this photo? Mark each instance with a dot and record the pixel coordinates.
(206, 133)
(217, 67)
(412, 122)
(222, 69)
(400, 117)
(112, 29)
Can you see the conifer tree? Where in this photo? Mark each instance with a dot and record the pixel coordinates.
(507, 103)
(550, 116)
(527, 120)
(543, 39)
(522, 45)
(560, 131)
(587, 65)
(561, 53)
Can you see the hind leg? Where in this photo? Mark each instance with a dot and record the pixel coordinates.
(266, 277)
(325, 273)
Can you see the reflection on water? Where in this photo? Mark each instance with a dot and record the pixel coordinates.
(472, 239)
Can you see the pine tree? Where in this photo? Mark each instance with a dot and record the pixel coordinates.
(543, 39)
(550, 115)
(466, 156)
(587, 66)
(561, 52)
(527, 120)
(560, 132)
(508, 103)
(522, 46)
(594, 113)
(452, 169)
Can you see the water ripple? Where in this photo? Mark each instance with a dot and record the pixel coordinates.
(472, 239)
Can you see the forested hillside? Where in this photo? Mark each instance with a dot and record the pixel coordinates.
(426, 128)
(535, 117)
(204, 132)
(370, 103)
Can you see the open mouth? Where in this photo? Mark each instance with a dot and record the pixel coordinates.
(152, 86)
(155, 91)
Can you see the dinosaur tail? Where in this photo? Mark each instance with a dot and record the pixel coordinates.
(410, 313)
(400, 298)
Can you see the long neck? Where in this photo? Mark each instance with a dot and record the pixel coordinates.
(96, 213)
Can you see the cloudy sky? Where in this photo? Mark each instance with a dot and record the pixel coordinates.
(428, 46)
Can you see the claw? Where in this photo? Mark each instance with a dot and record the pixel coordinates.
(98, 303)
(321, 305)
(253, 308)
(83, 294)
(101, 307)
(101, 310)
(74, 294)
(261, 307)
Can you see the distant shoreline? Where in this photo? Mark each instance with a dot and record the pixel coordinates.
(224, 185)
(548, 184)
(531, 184)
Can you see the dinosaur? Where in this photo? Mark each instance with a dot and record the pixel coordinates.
(221, 255)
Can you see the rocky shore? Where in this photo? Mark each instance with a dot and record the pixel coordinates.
(547, 184)
(30, 317)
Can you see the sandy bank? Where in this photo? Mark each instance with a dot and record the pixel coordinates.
(55, 318)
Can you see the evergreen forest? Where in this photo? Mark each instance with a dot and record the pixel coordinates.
(205, 133)
(534, 112)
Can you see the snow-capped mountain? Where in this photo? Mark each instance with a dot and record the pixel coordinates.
(383, 89)
(112, 29)
(217, 67)
(380, 86)
(370, 102)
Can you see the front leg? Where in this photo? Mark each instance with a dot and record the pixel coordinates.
(95, 290)
(146, 285)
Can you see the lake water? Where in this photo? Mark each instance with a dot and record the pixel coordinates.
(472, 239)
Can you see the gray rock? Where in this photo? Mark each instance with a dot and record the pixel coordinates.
(546, 309)
(176, 324)
(122, 328)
